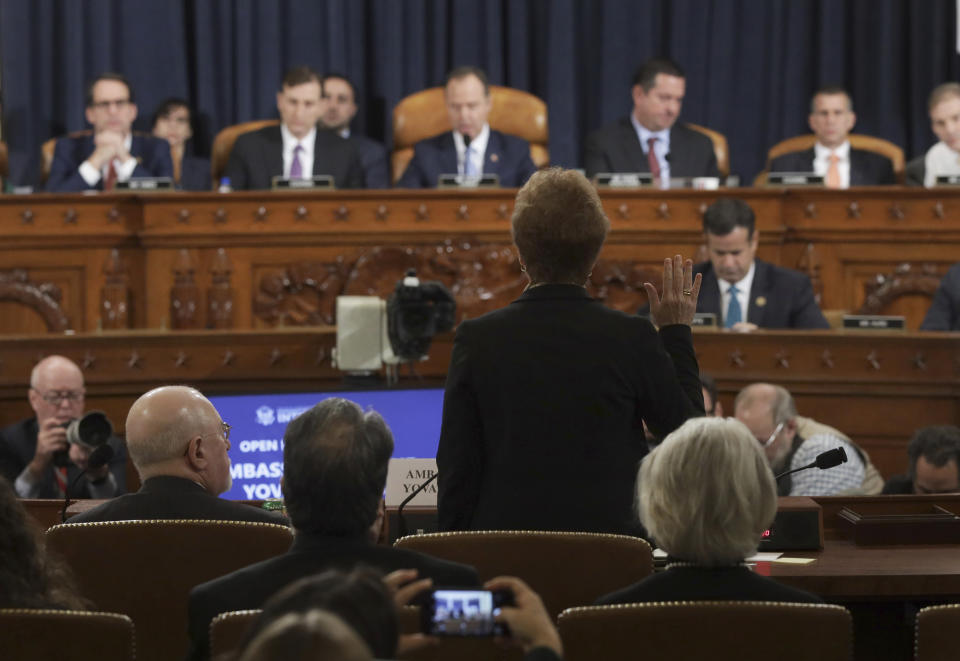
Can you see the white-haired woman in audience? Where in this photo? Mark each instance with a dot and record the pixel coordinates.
(706, 495)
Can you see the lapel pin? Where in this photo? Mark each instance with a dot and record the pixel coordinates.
(760, 301)
(494, 158)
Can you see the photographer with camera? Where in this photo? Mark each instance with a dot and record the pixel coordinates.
(36, 455)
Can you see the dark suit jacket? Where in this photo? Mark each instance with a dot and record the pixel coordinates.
(195, 173)
(898, 484)
(373, 156)
(779, 297)
(944, 312)
(249, 587)
(257, 157)
(867, 168)
(18, 443)
(152, 154)
(166, 497)
(916, 170)
(707, 584)
(543, 411)
(616, 148)
(507, 156)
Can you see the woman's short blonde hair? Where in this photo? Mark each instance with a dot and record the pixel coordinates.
(559, 226)
(706, 493)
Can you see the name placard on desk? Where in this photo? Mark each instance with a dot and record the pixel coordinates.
(794, 179)
(874, 321)
(948, 180)
(146, 184)
(403, 478)
(320, 182)
(623, 179)
(485, 180)
(704, 319)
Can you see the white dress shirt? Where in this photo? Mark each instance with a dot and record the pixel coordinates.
(821, 161)
(306, 152)
(124, 169)
(661, 148)
(940, 161)
(743, 294)
(478, 148)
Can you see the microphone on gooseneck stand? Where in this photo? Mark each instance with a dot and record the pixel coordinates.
(824, 460)
(401, 522)
(99, 457)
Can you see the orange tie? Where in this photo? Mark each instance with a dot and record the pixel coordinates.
(833, 172)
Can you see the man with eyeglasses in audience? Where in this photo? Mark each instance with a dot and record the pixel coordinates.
(112, 153)
(178, 443)
(34, 453)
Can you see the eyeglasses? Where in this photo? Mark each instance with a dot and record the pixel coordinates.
(119, 104)
(57, 397)
(224, 429)
(773, 436)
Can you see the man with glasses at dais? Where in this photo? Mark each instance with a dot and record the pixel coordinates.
(112, 152)
(34, 453)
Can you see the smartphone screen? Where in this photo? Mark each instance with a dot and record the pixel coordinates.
(455, 612)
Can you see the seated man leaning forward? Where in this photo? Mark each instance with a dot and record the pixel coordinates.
(112, 153)
(178, 444)
(706, 496)
(934, 454)
(335, 460)
(944, 312)
(472, 148)
(297, 149)
(770, 414)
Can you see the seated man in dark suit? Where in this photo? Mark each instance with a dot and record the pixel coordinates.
(649, 139)
(296, 149)
(943, 159)
(944, 312)
(335, 460)
(472, 147)
(747, 293)
(35, 456)
(172, 122)
(178, 444)
(841, 166)
(339, 109)
(934, 454)
(112, 153)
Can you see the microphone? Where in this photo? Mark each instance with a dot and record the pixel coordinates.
(401, 522)
(98, 458)
(824, 460)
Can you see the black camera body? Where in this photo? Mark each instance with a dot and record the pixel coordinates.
(90, 431)
(415, 313)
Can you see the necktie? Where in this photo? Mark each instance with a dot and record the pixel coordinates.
(734, 313)
(833, 172)
(60, 475)
(296, 170)
(111, 179)
(652, 157)
(469, 169)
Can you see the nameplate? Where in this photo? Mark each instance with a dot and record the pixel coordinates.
(704, 319)
(794, 179)
(623, 179)
(146, 184)
(874, 321)
(403, 478)
(948, 180)
(485, 180)
(320, 182)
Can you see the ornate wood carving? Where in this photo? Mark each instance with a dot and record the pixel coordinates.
(809, 264)
(115, 293)
(906, 279)
(220, 293)
(44, 298)
(620, 284)
(303, 294)
(184, 295)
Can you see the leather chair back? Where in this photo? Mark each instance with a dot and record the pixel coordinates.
(424, 114)
(227, 631)
(935, 633)
(146, 569)
(720, 148)
(223, 144)
(27, 634)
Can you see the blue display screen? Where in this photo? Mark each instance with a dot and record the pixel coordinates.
(259, 421)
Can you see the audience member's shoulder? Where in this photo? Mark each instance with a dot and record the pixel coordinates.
(442, 571)
(512, 141)
(610, 129)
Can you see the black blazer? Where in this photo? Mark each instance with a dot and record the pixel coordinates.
(707, 584)
(373, 156)
(167, 497)
(257, 157)
(867, 168)
(544, 408)
(152, 154)
(194, 174)
(249, 587)
(507, 156)
(944, 312)
(18, 443)
(779, 297)
(916, 170)
(616, 148)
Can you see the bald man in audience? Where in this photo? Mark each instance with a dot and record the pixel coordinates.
(178, 444)
(34, 453)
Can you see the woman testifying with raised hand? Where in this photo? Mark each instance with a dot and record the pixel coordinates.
(546, 398)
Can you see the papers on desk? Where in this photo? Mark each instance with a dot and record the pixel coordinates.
(661, 555)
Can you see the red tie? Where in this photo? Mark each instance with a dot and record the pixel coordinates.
(60, 474)
(111, 179)
(652, 156)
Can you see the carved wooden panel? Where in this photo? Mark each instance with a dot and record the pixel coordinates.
(26, 300)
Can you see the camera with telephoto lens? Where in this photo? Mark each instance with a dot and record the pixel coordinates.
(90, 431)
(415, 313)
